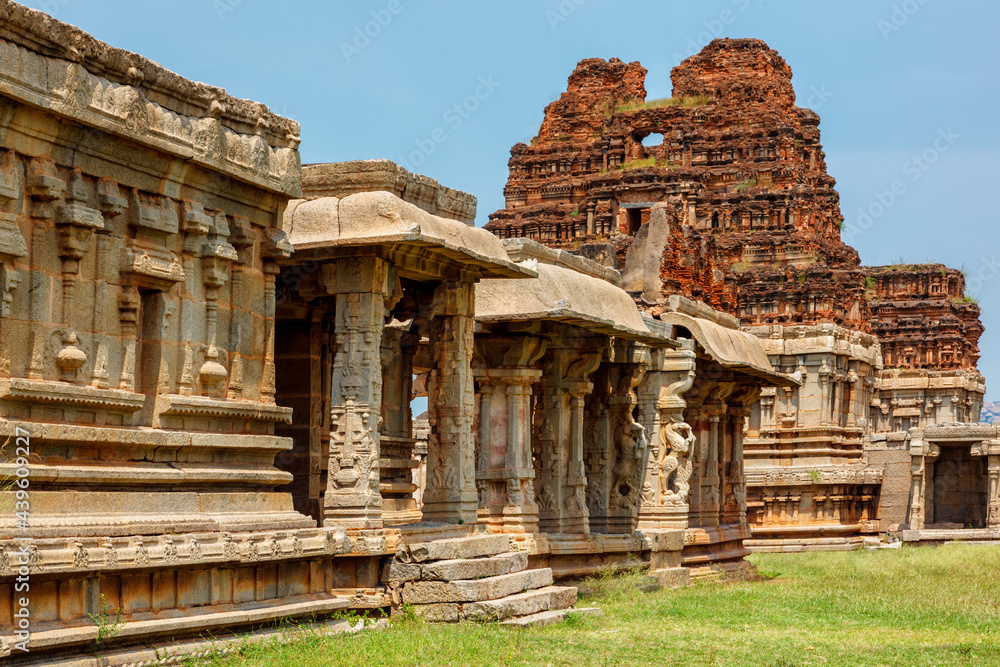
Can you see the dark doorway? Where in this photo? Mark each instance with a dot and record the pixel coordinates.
(960, 488)
(634, 221)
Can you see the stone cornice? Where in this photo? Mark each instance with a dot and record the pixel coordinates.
(63, 70)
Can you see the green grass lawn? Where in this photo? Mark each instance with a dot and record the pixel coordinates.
(927, 606)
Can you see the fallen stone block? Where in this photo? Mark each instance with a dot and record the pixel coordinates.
(460, 547)
(543, 618)
(477, 568)
(475, 590)
(521, 604)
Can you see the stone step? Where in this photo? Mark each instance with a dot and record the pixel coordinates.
(475, 568)
(475, 590)
(549, 617)
(459, 568)
(473, 546)
(549, 598)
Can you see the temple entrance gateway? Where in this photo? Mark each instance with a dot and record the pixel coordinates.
(960, 489)
(955, 483)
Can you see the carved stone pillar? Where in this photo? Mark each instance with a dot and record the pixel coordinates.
(598, 449)
(361, 286)
(993, 491)
(558, 440)
(666, 488)
(274, 246)
(576, 518)
(504, 472)
(735, 499)
(698, 418)
(629, 445)
(450, 495)
(711, 481)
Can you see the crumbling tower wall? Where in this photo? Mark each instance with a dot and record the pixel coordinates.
(721, 193)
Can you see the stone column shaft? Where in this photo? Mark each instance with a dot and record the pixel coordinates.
(450, 495)
(558, 441)
(352, 498)
(504, 473)
(993, 497)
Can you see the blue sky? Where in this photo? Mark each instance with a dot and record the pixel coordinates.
(907, 90)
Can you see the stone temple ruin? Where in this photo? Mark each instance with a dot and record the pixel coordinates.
(661, 356)
(720, 194)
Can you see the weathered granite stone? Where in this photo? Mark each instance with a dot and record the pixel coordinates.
(465, 547)
(395, 571)
(544, 618)
(522, 604)
(490, 588)
(475, 568)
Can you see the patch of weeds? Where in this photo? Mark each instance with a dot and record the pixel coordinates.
(576, 620)
(407, 615)
(696, 100)
(634, 105)
(816, 476)
(108, 625)
(746, 183)
(639, 164)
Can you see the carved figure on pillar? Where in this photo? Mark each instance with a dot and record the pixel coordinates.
(352, 497)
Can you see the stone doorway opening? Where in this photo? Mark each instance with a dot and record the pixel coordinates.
(303, 355)
(960, 489)
(636, 215)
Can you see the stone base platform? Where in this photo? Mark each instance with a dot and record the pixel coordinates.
(571, 556)
(173, 653)
(795, 545)
(717, 552)
(807, 537)
(175, 587)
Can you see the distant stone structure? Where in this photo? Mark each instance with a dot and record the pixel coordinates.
(720, 193)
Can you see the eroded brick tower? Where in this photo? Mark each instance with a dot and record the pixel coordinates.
(720, 193)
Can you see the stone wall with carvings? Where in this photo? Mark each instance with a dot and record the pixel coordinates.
(810, 484)
(139, 231)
